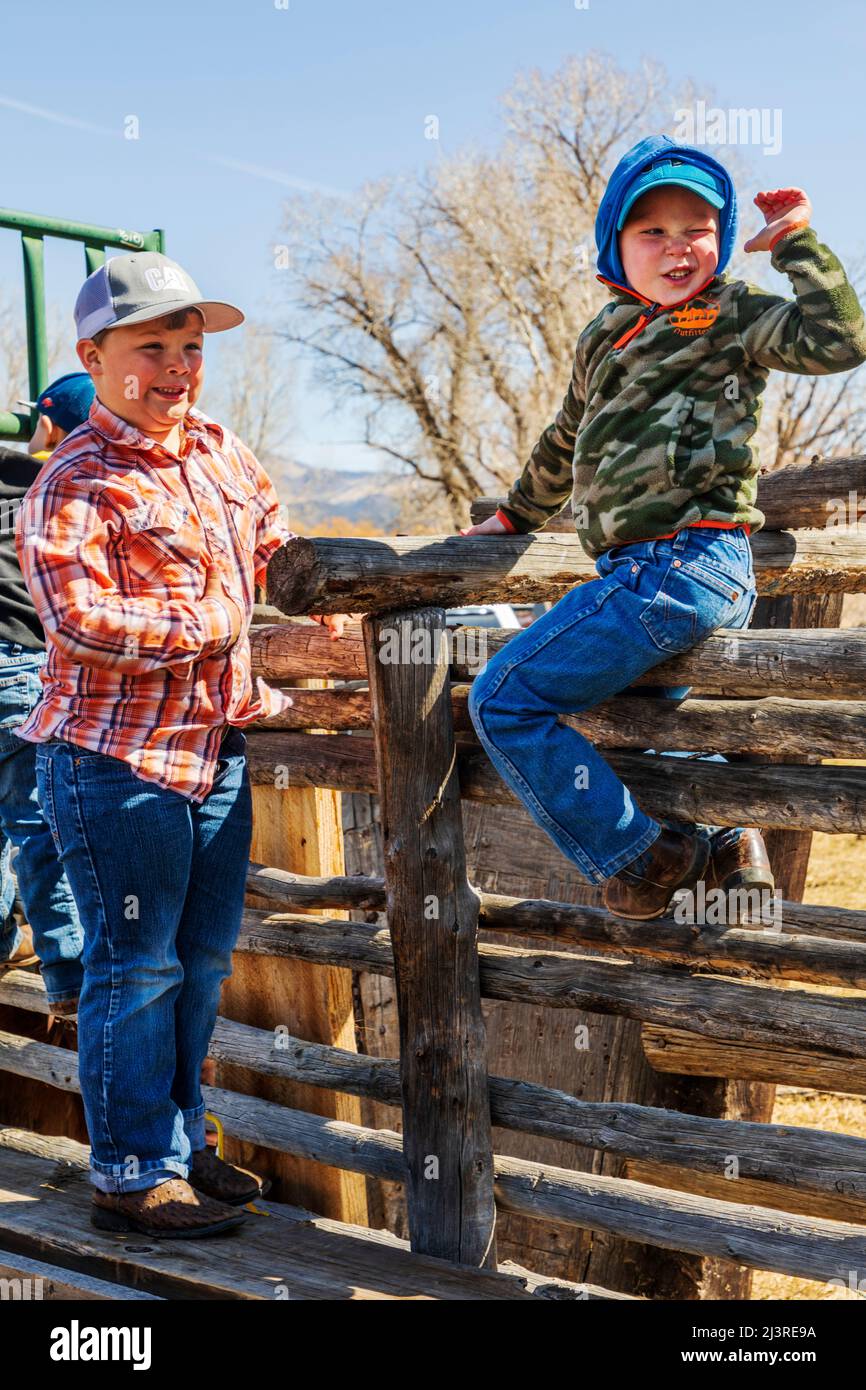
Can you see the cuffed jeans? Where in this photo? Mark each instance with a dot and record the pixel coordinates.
(159, 880)
(47, 898)
(652, 600)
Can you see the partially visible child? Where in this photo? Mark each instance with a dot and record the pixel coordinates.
(652, 445)
(142, 542)
(55, 933)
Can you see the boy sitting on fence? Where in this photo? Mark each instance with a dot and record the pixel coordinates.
(652, 443)
(141, 542)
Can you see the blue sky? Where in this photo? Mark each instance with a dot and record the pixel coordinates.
(241, 104)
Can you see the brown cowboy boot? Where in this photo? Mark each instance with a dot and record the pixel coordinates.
(644, 888)
(23, 956)
(170, 1211)
(740, 860)
(740, 866)
(224, 1181)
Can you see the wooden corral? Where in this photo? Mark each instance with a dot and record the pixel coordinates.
(445, 1033)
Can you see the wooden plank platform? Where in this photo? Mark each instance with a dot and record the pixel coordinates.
(281, 1254)
(25, 1280)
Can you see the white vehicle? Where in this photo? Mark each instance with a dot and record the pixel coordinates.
(483, 615)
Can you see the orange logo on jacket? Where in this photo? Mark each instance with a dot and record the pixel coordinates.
(695, 317)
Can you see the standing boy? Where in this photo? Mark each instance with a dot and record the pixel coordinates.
(142, 543)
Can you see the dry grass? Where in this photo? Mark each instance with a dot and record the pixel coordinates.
(837, 877)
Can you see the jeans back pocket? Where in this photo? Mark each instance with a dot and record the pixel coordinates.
(692, 602)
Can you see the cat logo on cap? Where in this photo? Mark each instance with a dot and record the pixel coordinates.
(163, 278)
(695, 317)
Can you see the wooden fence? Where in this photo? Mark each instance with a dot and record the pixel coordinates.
(757, 1004)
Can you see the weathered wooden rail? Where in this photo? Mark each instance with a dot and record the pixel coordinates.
(778, 1003)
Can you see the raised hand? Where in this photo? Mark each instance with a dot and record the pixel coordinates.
(782, 208)
(491, 527)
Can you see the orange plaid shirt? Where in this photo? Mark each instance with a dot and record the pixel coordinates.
(112, 538)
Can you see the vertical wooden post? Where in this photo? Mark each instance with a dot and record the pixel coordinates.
(433, 917)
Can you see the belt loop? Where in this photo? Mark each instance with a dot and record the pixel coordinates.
(680, 539)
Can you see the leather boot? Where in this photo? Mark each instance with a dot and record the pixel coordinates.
(171, 1211)
(644, 888)
(224, 1181)
(23, 956)
(740, 860)
(740, 866)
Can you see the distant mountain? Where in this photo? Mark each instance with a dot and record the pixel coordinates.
(316, 495)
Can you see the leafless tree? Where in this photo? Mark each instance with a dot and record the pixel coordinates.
(251, 389)
(13, 353)
(14, 377)
(448, 307)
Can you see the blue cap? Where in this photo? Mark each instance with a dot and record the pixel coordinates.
(642, 158)
(67, 400)
(678, 171)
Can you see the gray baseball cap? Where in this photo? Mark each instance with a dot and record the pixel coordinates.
(141, 286)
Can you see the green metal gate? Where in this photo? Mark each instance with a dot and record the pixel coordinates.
(16, 424)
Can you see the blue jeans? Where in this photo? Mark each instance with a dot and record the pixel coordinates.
(159, 880)
(652, 600)
(49, 905)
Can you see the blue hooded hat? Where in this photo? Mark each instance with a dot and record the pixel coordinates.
(621, 192)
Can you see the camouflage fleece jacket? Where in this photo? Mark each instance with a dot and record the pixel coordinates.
(654, 430)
